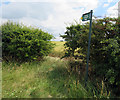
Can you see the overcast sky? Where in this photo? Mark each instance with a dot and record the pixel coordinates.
(54, 15)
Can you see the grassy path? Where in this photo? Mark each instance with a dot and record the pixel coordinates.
(47, 79)
(58, 50)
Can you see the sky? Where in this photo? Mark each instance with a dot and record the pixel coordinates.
(53, 16)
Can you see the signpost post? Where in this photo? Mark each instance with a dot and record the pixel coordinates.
(85, 17)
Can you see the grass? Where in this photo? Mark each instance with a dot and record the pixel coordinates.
(50, 78)
(58, 50)
(47, 79)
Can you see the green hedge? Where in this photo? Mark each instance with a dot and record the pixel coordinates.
(104, 52)
(22, 43)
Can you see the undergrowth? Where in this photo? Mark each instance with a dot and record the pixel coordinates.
(47, 79)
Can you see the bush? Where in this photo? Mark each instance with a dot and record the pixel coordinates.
(72, 37)
(22, 43)
(105, 48)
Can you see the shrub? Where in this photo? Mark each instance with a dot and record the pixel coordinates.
(22, 43)
(72, 37)
(105, 48)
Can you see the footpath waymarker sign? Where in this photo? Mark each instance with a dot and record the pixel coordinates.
(86, 17)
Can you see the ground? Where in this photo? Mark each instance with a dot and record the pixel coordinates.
(47, 79)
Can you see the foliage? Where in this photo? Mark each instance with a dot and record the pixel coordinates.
(49, 78)
(105, 48)
(72, 37)
(23, 43)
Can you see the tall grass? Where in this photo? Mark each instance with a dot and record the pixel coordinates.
(50, 78)
(47, 79)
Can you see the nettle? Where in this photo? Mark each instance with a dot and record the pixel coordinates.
(22, 43)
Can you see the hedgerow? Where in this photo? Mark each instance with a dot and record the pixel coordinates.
(22, 43)
(104, 50)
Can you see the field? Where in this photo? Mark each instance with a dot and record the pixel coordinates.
(58, 50)
(49, 78)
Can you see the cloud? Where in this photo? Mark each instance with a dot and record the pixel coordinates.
(64, 12)
(58, 39)
(106, 5)
(46, 1)
(2, 21)
(50, 16)
(109, 1)
(19, 10)
(113, 11)
(13, 11)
